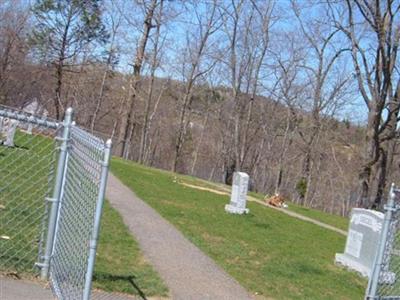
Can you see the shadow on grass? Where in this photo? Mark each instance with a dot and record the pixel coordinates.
(126, 278)
(15, 146)
(22, 147)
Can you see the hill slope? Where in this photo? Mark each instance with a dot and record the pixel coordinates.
(269, 253)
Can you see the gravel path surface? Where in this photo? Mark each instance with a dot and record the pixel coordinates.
(188, 272)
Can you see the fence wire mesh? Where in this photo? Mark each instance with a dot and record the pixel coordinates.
(27, 158)
(76, 214)
(52, 184)
(385, 277)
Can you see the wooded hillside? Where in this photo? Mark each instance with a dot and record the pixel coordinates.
(302, 95)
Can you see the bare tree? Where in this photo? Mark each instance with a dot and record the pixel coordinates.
(289, 90)
(127, 119)
(195, 66)
(115, 22)
(324, 86)
(373, 31)
(237, 63)
(247, 27)
(155, 62)
(13, 22)
(146, 141)
(259, 43)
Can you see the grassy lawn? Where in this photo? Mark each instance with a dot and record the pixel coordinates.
(24, 174)
(119, 264)
(268, 252)
(333, 220)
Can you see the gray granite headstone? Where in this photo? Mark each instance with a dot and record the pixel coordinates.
(36, 109)
(30, 128)
(1, 129)
(362, 241)
(12, 128)
(240, 186)
(32, 108)
(5, 124)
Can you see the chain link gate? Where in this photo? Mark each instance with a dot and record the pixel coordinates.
(52, 186)
(26, 176)
(384, 282)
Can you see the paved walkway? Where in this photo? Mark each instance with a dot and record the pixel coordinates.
(23, 290)
(11, 289)
(188, 272)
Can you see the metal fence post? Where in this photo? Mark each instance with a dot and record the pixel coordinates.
(390, 207)
(97, 219)
(55, 200)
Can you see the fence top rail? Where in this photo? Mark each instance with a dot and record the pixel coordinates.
(12, 113)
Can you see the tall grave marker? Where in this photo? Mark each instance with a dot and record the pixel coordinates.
(11, 133)
(362, 241)
(240, 186)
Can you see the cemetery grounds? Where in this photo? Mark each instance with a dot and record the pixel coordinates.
(269, 253)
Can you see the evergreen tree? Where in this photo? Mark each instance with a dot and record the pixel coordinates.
(63, 29)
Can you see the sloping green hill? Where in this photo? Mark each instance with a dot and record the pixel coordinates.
(271, 254)
(329, 219)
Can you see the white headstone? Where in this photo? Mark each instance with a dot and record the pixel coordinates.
(12, 128)
(29, 129)
(362, 241)
(1, 129)
(33, 108)
(240, 186)
(5, 122)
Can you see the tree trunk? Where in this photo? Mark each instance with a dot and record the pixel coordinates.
(103, 81)
(145, 129)
(381, 180)
(183, 122)
(60, 71)
(371, 158)
(57, 99)
(127, 122)
(146, 142)
(285, 144)
(195, 72)
(196, 152)
(236, 135)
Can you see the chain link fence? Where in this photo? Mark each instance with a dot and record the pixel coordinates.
(27, 161)
(52, 184)
(384, 282)
(77, 214)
